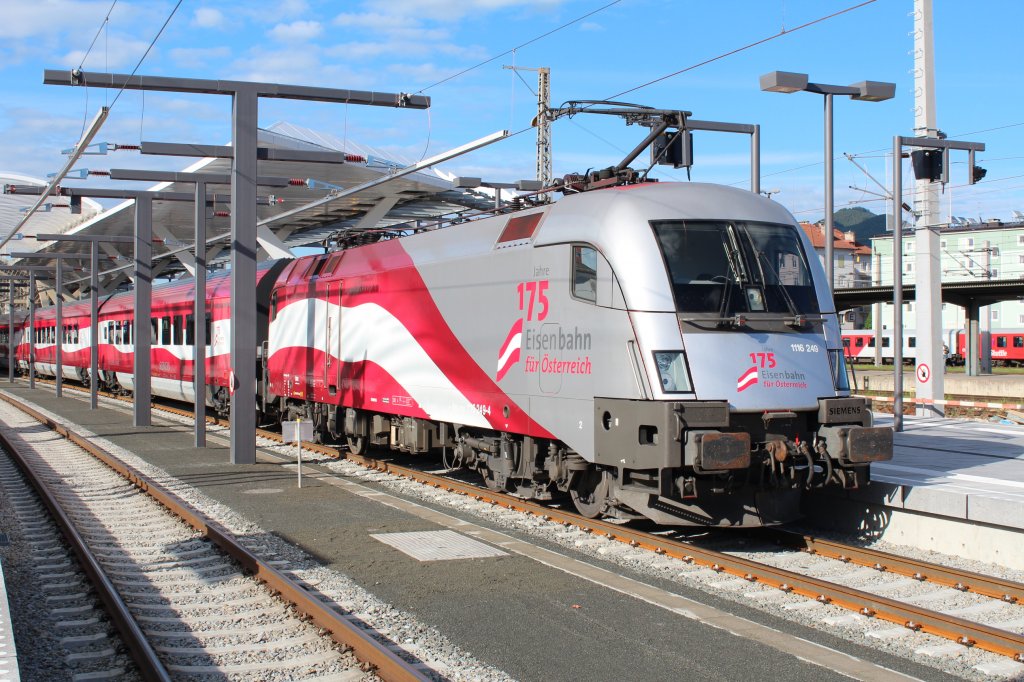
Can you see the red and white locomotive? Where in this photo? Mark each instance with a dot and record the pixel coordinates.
(658, 350)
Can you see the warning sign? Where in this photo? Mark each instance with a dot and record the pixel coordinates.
(924, 373)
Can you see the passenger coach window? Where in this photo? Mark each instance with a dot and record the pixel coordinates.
(209, 329)
(179, 331)
(165, 331)
(1018, 342)
(190, 330)
(584, 273)
(1000, 342)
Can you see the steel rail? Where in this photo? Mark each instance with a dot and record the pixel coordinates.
(959, 579)
(386, 663)
(145, 657)
(913, 617)
(910, 616)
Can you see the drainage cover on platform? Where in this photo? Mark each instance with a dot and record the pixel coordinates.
(437, 545)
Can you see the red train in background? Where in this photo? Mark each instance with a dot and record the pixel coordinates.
(172, 329)
(1007, 346)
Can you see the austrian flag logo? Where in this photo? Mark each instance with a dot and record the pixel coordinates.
(747, 379)
(509, 353)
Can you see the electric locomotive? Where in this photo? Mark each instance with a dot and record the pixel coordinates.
(667, 351)
(661, 351)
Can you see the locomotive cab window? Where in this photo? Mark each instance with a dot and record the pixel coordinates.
(584, 273)
(728, 268)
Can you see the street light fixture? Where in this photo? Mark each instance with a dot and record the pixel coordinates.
(866, 91)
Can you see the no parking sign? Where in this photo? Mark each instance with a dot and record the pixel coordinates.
(924, 373)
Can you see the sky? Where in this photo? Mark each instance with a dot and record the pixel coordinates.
(454, 52)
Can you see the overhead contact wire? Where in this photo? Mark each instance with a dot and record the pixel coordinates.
(528, 42)
(148, 49)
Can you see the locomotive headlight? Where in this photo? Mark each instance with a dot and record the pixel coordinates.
(839, 377)
(672, 371)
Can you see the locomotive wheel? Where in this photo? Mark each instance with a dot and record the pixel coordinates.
(590, 492)
(356, 444)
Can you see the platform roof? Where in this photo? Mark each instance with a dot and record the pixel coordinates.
(57, 219)
(421, 196)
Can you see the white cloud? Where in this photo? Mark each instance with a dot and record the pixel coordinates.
(208, 17)
(591, 26)
(118, 52)
(30, 19)
(297, 31)
(292, 7)
(194, 57)
(455, 10)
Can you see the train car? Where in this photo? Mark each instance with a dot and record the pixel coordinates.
(859, 346)
(1007, 346)
(660, 350)
(171, 329)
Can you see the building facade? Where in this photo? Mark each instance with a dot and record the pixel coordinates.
(991, 250)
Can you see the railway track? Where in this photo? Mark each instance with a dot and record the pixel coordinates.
(966, 629)
(187, 599)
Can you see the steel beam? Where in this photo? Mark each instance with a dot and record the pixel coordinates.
(97, 79)
(199, 327)
(216, 151)
(185, 177)
(243, 380)
(141, 338)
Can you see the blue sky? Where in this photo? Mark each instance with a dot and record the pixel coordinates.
(413, 45)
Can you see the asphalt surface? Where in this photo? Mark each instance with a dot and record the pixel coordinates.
(529, 619)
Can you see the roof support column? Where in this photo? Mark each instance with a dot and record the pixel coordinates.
(142, 407)
(94, 317)
(199, 326)
(58, 351)
(10, 332)
(32, 329)
(972, 362)
(243, 384)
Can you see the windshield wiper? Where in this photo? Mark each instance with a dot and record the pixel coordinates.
(735, 269)
(798, 320)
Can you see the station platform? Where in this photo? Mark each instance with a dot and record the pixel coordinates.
(954, 486)
(536, 610)
(8, 652)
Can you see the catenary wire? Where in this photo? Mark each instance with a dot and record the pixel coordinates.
(528, 42)
(781, 33)
(146, 53)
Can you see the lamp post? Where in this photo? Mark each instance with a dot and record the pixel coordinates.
(867, 91)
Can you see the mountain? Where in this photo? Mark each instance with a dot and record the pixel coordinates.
(862, 222)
